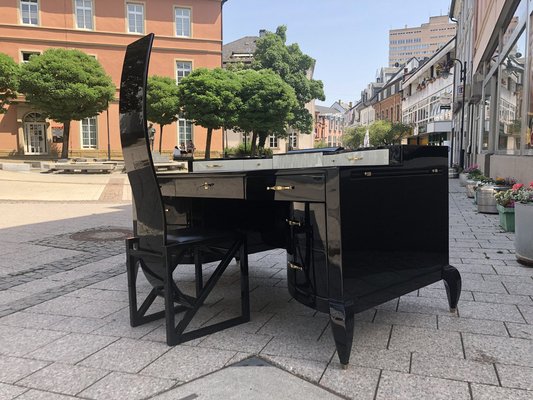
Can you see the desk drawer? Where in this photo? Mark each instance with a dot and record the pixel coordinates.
(218, 165)
(287, 188)
(355, 158)
(211, 186)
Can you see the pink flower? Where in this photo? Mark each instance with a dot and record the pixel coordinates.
(517, 186)
(531, 184)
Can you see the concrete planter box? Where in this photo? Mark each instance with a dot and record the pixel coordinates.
(463, 177)
(524, 233)
(470, 185)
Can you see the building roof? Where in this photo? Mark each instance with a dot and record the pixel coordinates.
(326, 110)
(240, 50)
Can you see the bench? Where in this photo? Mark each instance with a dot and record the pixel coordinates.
(82, 167)
(15, 166)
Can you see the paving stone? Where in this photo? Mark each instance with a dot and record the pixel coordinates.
(20, 341)
(354, 382)
(307, 369)
(454, 368)
(407, 319)
(303, 327)
(503, 298)
(13, 369)
(119, 386)
(31, 320)
(9, 296)
(461, 324)
(516, 377)
(524, 331)
(486, 392)
(425, 305)
(126, 355)
(8, 392)
(77, 307)
(72, 348)
(294, 347)
(184, 363)
(496, 349)
(490, 311)
(400, 386)
(514, 270)
(426, 341)
(78, 324)
(523, 288)
(33, 394)
(379, 358)
(483, 286)
(63, 378)
(527, 312)
(235, 340)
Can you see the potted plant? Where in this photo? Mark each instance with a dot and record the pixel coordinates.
(485, 200)
(505, 205)
(463, 176)
(474, 180)
(453, 171)
(524, 223)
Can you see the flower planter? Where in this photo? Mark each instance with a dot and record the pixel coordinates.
(470, 185)
(524, 233)
(453, 173)
(486, 203)
(506, 218)
(463, 177)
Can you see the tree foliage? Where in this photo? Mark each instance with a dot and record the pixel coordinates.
(292, 66)
(66, 85)
(354, 137)
(267, 104)
(383, 133)
(162, 105)
(9, 74)
(208, 97)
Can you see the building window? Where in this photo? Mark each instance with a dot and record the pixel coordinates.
(183, 68)
(183, 21)
(88, 133)
(29, 11)
(84, 14)
(272, 141)
(293, 140)
(26, 55)
(135, 18)
(184, 132)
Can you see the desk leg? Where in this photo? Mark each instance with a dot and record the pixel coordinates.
(342, 320)
(452, 283)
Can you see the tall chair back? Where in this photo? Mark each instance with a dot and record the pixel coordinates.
(149, 218)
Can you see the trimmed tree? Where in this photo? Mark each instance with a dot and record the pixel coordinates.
(293, 67)
(267, 104)
(9, 74)
(209, 98)
(66, 85)
(354, 137)
(162, 106)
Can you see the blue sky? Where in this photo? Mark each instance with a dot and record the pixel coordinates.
(347, 38)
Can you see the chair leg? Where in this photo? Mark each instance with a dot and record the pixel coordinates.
(177, 334)
(198, 272)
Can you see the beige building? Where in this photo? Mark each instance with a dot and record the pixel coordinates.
(421, 41)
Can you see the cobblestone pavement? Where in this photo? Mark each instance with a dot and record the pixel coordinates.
(64, 329)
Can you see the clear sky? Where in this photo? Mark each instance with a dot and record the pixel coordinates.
(347, 38)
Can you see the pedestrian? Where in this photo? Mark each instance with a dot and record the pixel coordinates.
(190, 147)
(176, 153)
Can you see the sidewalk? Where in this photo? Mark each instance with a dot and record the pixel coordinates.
(64, 329)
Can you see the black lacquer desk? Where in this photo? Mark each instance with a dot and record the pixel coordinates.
(356, 236)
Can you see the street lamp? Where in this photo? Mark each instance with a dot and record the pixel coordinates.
(462, 79)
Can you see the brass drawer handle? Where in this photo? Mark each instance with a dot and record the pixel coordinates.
(294, 266)
(354, 158)
(293, 222)
(279, 187)
(206, 185)
(213, 165)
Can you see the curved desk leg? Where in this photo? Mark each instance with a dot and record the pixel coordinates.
(342, 320)
(452, 283)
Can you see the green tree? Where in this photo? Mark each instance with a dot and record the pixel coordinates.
(399, 131)
(9, 73)
(379, 132)
(292, 66)
(66, 85)
(162, 105)
(208, 97)
(354, 137)
(267, 104)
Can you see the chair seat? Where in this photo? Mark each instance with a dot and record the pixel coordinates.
(199, 236)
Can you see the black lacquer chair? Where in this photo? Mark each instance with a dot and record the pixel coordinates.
(155, 249)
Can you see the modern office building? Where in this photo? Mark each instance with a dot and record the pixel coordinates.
(494, 48)
(188, 36)
(420, 41)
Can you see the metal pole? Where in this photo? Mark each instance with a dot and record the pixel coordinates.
(463, 80)
(108, 135)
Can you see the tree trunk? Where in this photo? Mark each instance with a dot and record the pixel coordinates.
(160, 137)
(262, 140)
(253, 145)
(208, 144)
(66, 135)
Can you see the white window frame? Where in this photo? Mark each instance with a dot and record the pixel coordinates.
(88, 14)
(183, 68)
(89, 125)
(30, 4)
(30, 52)
(136, 14)
(183, 135)
(186, 22)
(273, 142)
